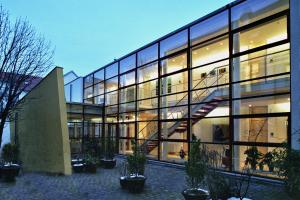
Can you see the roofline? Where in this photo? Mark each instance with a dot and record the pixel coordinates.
(227, 6)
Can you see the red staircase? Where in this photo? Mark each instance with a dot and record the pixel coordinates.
(181, 126)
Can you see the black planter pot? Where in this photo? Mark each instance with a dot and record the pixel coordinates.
(9, 172)
(195, 194)
(108, 163)
(78, 168)
(91, 168)
(76, 161)
(134, 184)
(123, 182)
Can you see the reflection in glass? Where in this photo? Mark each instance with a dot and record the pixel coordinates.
(127, 63)
(88, 81)
(173, 43)
(147, 55)
(251, 11)
(99, 76)
(88, 92)
(209, 28)
(111, 71)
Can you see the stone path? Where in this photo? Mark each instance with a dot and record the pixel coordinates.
(163, 183)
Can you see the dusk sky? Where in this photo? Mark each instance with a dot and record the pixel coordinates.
(89, 34)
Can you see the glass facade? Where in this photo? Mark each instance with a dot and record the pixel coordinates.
(225, 82)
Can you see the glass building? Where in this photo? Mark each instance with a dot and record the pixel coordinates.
(224, 78)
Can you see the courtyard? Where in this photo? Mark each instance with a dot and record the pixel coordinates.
(162, 183)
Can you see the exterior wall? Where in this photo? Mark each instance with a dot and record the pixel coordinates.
(42, 132)
(295, 72)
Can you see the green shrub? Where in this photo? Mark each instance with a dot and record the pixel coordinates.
(10, 153)
(287, 163)
(136, 161)
(90, 159)
(196, 167)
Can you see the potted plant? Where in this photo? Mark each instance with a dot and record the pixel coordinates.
(196, 169)
(135, 180)
(90, 163)
(253, 157)
(108, 162)
(268, 159)
(10, 169)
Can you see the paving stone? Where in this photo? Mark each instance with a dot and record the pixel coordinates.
(163, 183)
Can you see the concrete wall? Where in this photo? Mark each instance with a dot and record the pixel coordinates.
(41, 127)
(295, 72)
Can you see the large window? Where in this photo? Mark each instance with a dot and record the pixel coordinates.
(209, 52)
(127, 79)
(148, 72)
(111, 70)
(174, 64)
(174, 83)
(260, 35)
(128, 63)
(209, 28)
(174, 43)
(148, 55)
(224, 82)
(251, 11)
(267, 62)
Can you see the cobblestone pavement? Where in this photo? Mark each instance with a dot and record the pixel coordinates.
(162, 183)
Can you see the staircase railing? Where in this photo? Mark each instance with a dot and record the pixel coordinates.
(213, 73)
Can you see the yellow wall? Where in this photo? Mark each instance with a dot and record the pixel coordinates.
(42, 132)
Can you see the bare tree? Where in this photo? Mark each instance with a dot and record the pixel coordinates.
(24, 55)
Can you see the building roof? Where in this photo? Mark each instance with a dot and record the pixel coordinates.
(31, 83)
